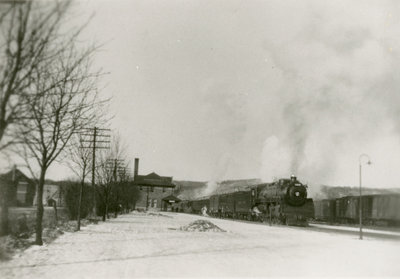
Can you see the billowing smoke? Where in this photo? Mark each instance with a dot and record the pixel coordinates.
(338, 97)
(219, 173)
(277, 159)
(211, 187)
(309, 85)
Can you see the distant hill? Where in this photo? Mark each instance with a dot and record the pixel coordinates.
(333, 192)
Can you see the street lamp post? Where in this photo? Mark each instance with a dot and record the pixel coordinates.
(360, 202)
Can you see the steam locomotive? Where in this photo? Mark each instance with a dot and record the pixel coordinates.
(283, 201)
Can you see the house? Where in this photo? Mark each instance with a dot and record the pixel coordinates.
(17, 187)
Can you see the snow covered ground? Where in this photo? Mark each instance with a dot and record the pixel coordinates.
(356, 229)
(140, 245)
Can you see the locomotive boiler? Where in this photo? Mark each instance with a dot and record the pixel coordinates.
(285, 201)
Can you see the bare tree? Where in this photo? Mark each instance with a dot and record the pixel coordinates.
(80, 164)
(58, 114)
(65, 103)
(105, 183)
(107, 173)
(125, 193)
(28, 34)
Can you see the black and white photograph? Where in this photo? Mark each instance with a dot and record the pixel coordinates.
(199, 138)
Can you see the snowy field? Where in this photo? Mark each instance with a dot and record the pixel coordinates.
(139, 245)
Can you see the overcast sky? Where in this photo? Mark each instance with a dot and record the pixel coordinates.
(211, 90)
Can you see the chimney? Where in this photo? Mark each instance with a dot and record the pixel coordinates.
(136, 167)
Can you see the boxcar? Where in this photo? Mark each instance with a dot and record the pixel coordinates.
(243, 203)
(386, 209)
(346, 209)
(214, 205)
(325, 210)
(198, 204)
(367, 203)
(226, 205)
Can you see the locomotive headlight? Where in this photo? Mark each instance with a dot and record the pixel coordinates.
(297, 194)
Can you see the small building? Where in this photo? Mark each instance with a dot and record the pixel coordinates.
(18, 189)
(52, 193)
(170, 203)
(153, 188)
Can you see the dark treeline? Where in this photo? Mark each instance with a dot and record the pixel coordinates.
(123, 197)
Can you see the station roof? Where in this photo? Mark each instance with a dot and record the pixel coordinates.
(171, 198)
(153, 180)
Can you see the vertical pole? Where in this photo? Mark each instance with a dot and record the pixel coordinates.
(147, 199)
(360, 207)
(115, 182)
(115, 170)
(93, 172)
(270, 216)
(80, 204)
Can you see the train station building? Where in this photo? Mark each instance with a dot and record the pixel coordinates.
(153, 189)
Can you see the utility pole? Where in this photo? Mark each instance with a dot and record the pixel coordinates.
(93, 171)
(96, 135)
(360, 198)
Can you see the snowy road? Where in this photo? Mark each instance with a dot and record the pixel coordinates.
(139, 245)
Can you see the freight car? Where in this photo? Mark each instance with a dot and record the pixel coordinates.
(235, 205)
(283, 201)
(198, 204)
(376, 210)
(325, 210)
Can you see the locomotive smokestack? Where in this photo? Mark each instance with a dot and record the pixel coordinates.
(136, 167)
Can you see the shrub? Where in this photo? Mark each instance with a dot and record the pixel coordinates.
(72, 199)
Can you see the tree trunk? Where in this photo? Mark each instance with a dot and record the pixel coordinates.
(79, 205)
(4, 209)
(55, 212)
(39, 213)
(106, 201)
